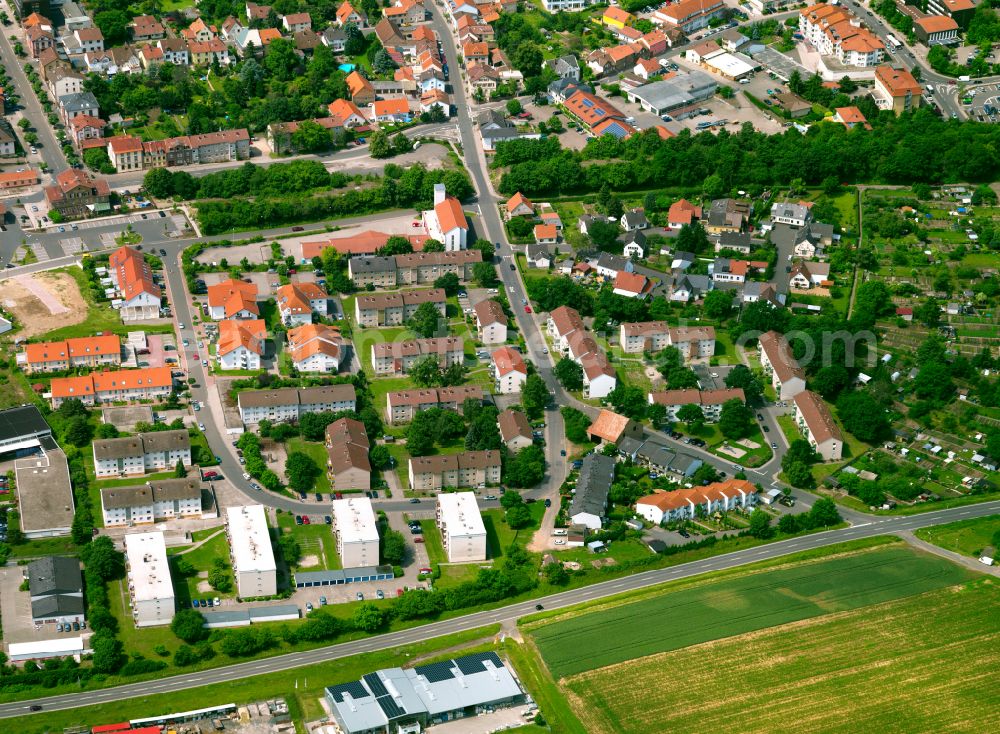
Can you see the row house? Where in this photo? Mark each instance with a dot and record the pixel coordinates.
(491, 322)
(241, 344)
(468, 469)
(398, 358)
(149, 383)
(288, 404)
(165, 499)
(395, 309)
(814, 419)
(38, 39)
(787, 378)
(315, 348)
(138, 295)
(710, 401)
(413, 268)
(77, 194)
(659, 459)
(141, 454)
(572, 339)
(509, 370)
(402, 405)
(88, 351)
(684, 504)
(347, 462)
(281, 135)
(206, 53)
(297, 302)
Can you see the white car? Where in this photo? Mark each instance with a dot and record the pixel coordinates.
(245, 475)
(201, 426)
(559, 541)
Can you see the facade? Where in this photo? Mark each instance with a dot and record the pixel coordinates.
(710, 401)
(141, 454)
(412, 269)
(233, 299)
(151, 592)
(138, 294)
(55, 586)
(509, 370)
(77, 194)
(462, 531)
(128, 153)
(654, 336)
(590, 498)
(315, 348)
(683, 504)
(468, 469)
(790, 213)
(250, 550)
(395, 309)
(515, 431)
(402, 405)
(491, 322)
(787, 378)
(91, 351)
(896, 90)
(397, 358)
(347, 459)
(835, 31)
(148, 383)
(289, 403)
(241, 344)
(297, 302)
(814, 419)
(357, 533)
(572, 339)
(163, 499)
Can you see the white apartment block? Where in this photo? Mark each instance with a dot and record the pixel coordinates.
(289, 403)
(141, 454)
(462, 531)
(151, 593)
(357, 533)
(147, 503)
(250, 549)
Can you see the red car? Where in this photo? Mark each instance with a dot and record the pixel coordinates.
(305, 519)
(527, 309)
(415, 224)
(418, 539)
(425, 570)
(210, 474)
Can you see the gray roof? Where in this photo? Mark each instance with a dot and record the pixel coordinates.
(566, 87)
(788, 210)
(682, 89)
(596, 476)
(734, 239)
(55, 575)
(635, 219)
(635, 235)
(78, 101)
(57, 605)
(685, 464)
(296, 396)
(118, 448)
(373, 264)
(564, 64)
(536, 251)
(23, 422)
(340, 575)
(166, 440)
(334, 33)
(142, 495)
(613, 262)
(499, 133)
(494, 118)
(695, 283)
(628, 446)
(656, 454)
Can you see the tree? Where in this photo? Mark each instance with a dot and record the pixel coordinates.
(830, 380)
(717, 304)
(604, 234)
(433, 245)
(511, 499)
(290, 549)
(518, 517)
(569, 373)
(629, 401)
(179, 471)
(525, 469)
(514, 107)
(657, 414)
(760, 524)
(577, 423)
(863, 416)
(740, 376)
(311, 137)
(355, 43)
(788, 524)
(426, 372)
(301, 471)
(368, 618)
(933, 382)
(735, 420)
(824, 513)
(693, 415)
(393, 547)
(383, 64)
(534, 395)
(104, 559)
(799, 475)
(219, 577)
(108, 655)
(114, 26)
(188, 625)
(79, 432)
(379, 457)
(692, 238)
(928, 313)
(485, 274)
(426, 320)
(556, 574)
(448, 283)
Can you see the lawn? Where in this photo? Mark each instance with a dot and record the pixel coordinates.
(736, 606)
(316, 452)
(500, 538)
(202, 557)
(316, 540)
(432, 542)
(871, 669)
(968, 537)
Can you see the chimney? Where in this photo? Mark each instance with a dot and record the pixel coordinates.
(439, 193)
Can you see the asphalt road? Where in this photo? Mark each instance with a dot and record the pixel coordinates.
(612, 587)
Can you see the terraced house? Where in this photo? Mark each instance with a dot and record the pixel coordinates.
(468, 469)
(141, 454)
(150, 383)
(684, 504)
(89, 351)
(573, 339)
(395, 309)
(163, 499)
(397, 358)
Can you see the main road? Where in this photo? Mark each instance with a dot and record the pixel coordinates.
(291, 661)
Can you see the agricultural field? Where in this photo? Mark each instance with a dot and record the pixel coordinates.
(968, 537)
(736, 606)
(873, 669)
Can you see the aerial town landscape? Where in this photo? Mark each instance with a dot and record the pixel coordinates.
(520, 365)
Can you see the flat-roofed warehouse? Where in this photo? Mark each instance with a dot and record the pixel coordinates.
(21, 429)
(682, 90)
(44, 493)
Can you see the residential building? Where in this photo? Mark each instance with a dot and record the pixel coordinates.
(128, 153)
(468, 469)
(297, 302)
(896, 90)
(141, 454)
(315, 348)
(537, 254)
(63, 80)
(89, 351)
(241, 344)
(684, 504)
(710, 401)
(147, 383)
(394, 111)
(491, 322)
(397, 358)
(590, 497)
(85, 127)
(688, 15)
(125, 153)
(89, 39)
(347, 461)
(146, 28)
(357, 533)
(232, 299)
(38, 39)
(361, 90)
(814, 419)
(569, 6)
(515, 431)
(138, 294)
(13, 180)
(8, 146)
(631, 285)
(610, 427)
(509, 370)
(289, 403)
(163, 499)
(572, 339)
(396, 308)
(834, 31)
(805, 275)
(463, 533)
(412, 269)
(645, 336)
(347, 14)
(565, 67)
(250, 550)
(446, 221)
(402, 405)
(681, 213)
(81, 103)
(690, 288)
(150, 590)
(77, 194)
(519, 206)
(787, 378)
(296, 22)
(727, 215)
(793, 214)
(851, 117)
(55, 587)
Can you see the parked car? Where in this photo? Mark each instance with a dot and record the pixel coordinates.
(360, 596)
(309, 606)
(379, 594)
(298, 519)
(305, 519)
(322, 601)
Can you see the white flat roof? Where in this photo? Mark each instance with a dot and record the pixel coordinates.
(729, 64)
(460, 513)
(58, 646)
(249, 538)
(354, 520)
(148, 570)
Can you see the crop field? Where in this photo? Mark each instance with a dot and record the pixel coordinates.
(735, 606)
(925, 663)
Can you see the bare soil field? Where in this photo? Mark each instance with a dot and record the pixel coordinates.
(42, 302)
(924, 663)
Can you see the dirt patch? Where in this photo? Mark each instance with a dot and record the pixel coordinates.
(204, 587)
(42, 302)
(309, 562)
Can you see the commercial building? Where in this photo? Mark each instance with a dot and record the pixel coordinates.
(787, 378)
(509, 370)
(297, 302)
(347, 455)
(151, 593)
(402, 405)
(961, 11)
(814, 419)
(148, 383)
(44, 493)
(357, 533)
(89, 351)
(896, 90)
(22, 431)
(684, 504)
(250, 549)
(395, 309)
(78, 194)
(468, 469)
(408, 700)
(491, 322)
(138, 295)
(684, 89)
(290, 403)
(140, 454)
(462, 531)
(163, 499)
(710, 401)
(55, 585)
(590, 497)
(397, 358)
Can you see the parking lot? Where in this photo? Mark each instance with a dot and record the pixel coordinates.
(15, 608)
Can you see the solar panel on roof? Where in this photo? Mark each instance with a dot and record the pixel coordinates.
(353, 688)
(436, 672)
(473, 663)
(375, 684)
(389, 707)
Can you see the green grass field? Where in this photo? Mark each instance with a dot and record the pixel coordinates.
(316, 540)
(733, 607)
(967, 537)
(316, 452)
(924, 663)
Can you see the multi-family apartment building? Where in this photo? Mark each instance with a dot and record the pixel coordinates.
(509, 370)
(250, 551)
(787, 377)
(241, 344)
(356, 531)
(491, 322)
(290, 403)
(413, 268)
(896, 90)
(297, 302)
(149, 383)
(397, 358)
(814, 419)
(128, 153)
(573, 339)
(463, 533)
(315, 348)
(347, 456)
(232, 299)
(141, 454)
(402, 405)
(138, 295)
(163, 499)
(468, 469)
(88, 351)
(688, 15)
(515, 430)
(395, 309)
(684, 504)
(835, 31)
(150, 590)
(653, 336)
(710, 401)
